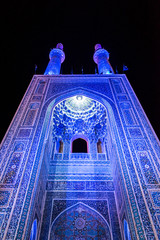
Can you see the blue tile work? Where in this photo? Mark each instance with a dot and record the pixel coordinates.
(1, 219)
(30, 116)
(24, 133)
(118, 86)
(128, 117)
(96, 207)
(76, 82)
(127, 113)
(140, 145)
(113, 216)
(147, 168)
(156, 198)
(66, 156)
(12, 168)
(130, 133)
(4, 197)
(118, 192)
(37, 98)
(7, 148)
(137, 133)
(41, 86)
(19, 146)
(101, 156)
(80, 221)
(122, 97)
(58, 156)
(81, 185)
(47, 213)
(80, 195)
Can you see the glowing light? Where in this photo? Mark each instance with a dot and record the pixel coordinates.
(79, 98)
(79, 103)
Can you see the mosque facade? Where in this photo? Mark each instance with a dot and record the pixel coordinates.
(80, 160)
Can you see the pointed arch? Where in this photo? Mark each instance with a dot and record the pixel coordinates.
(79, 220)
(99, 146)
(79, 145)
(80, 136)
(104, 100)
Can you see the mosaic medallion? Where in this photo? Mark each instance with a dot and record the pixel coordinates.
(80, 223)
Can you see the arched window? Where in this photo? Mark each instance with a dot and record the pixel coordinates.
(33, 234)
(59, 146)
(79, 145)
(127, 235)
(99, 146)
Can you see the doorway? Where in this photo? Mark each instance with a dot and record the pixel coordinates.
(79, 145)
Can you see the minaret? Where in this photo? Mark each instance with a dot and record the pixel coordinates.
(57, 56)
(101, 58)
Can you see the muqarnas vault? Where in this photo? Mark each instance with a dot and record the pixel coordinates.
(80, 159)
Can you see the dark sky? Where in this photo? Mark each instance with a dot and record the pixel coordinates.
(129, 30)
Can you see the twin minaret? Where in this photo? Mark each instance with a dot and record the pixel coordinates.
(57, 56)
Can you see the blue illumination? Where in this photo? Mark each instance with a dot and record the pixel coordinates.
(101, 58)
(79, 104)
(57, 57)
(33, 230)
(79, 98)
(79, 115)
(80, 194)
(127, 235)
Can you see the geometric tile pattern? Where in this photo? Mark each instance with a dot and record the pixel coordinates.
(95, 207)
(30, 117)
(140, 145)
(147, 168)
(80, 222)
(135, 132)
(80, 185)
(4, 197)
(156, 198)
(1, 219)
(12, 168)
(24, 133)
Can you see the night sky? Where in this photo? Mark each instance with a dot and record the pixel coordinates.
(129, 30)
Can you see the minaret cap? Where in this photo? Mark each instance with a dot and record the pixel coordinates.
(58, 51)
(97, 46)
(60, 46)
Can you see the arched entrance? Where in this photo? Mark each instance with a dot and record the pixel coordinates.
(79, 121)
(66, 119)
(79, 145)
(79, 176)
(80, 222)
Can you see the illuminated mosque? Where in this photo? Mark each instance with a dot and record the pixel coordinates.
(80, 160)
